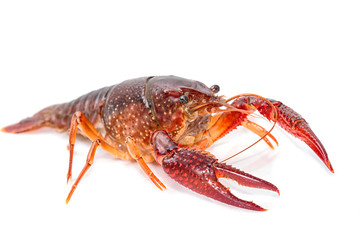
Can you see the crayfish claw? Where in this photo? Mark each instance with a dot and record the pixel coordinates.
(221, 193)
(242, 178)
(296, 125)
(303, 131)
(284, 116)
(199, 171)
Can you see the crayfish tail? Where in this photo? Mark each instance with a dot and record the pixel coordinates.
(43, 118)
(25, 125)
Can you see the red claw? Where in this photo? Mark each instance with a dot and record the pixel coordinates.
(199, 171)
(288, 119)
(303, 131)
(296, 125)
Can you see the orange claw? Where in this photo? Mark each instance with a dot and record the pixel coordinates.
(200, 171)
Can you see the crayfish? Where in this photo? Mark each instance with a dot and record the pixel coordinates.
(171, 120)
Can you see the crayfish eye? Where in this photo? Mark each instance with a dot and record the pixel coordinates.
(215, 88)
(184, 99)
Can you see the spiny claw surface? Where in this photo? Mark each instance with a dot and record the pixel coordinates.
(199, 171)
(296, 125)
(286, 118)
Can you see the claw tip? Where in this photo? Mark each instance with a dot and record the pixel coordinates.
(327, 163)
(330, 167)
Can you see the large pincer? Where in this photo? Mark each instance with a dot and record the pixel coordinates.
(199, 171)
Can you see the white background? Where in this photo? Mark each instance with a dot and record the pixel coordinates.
(305, 53)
